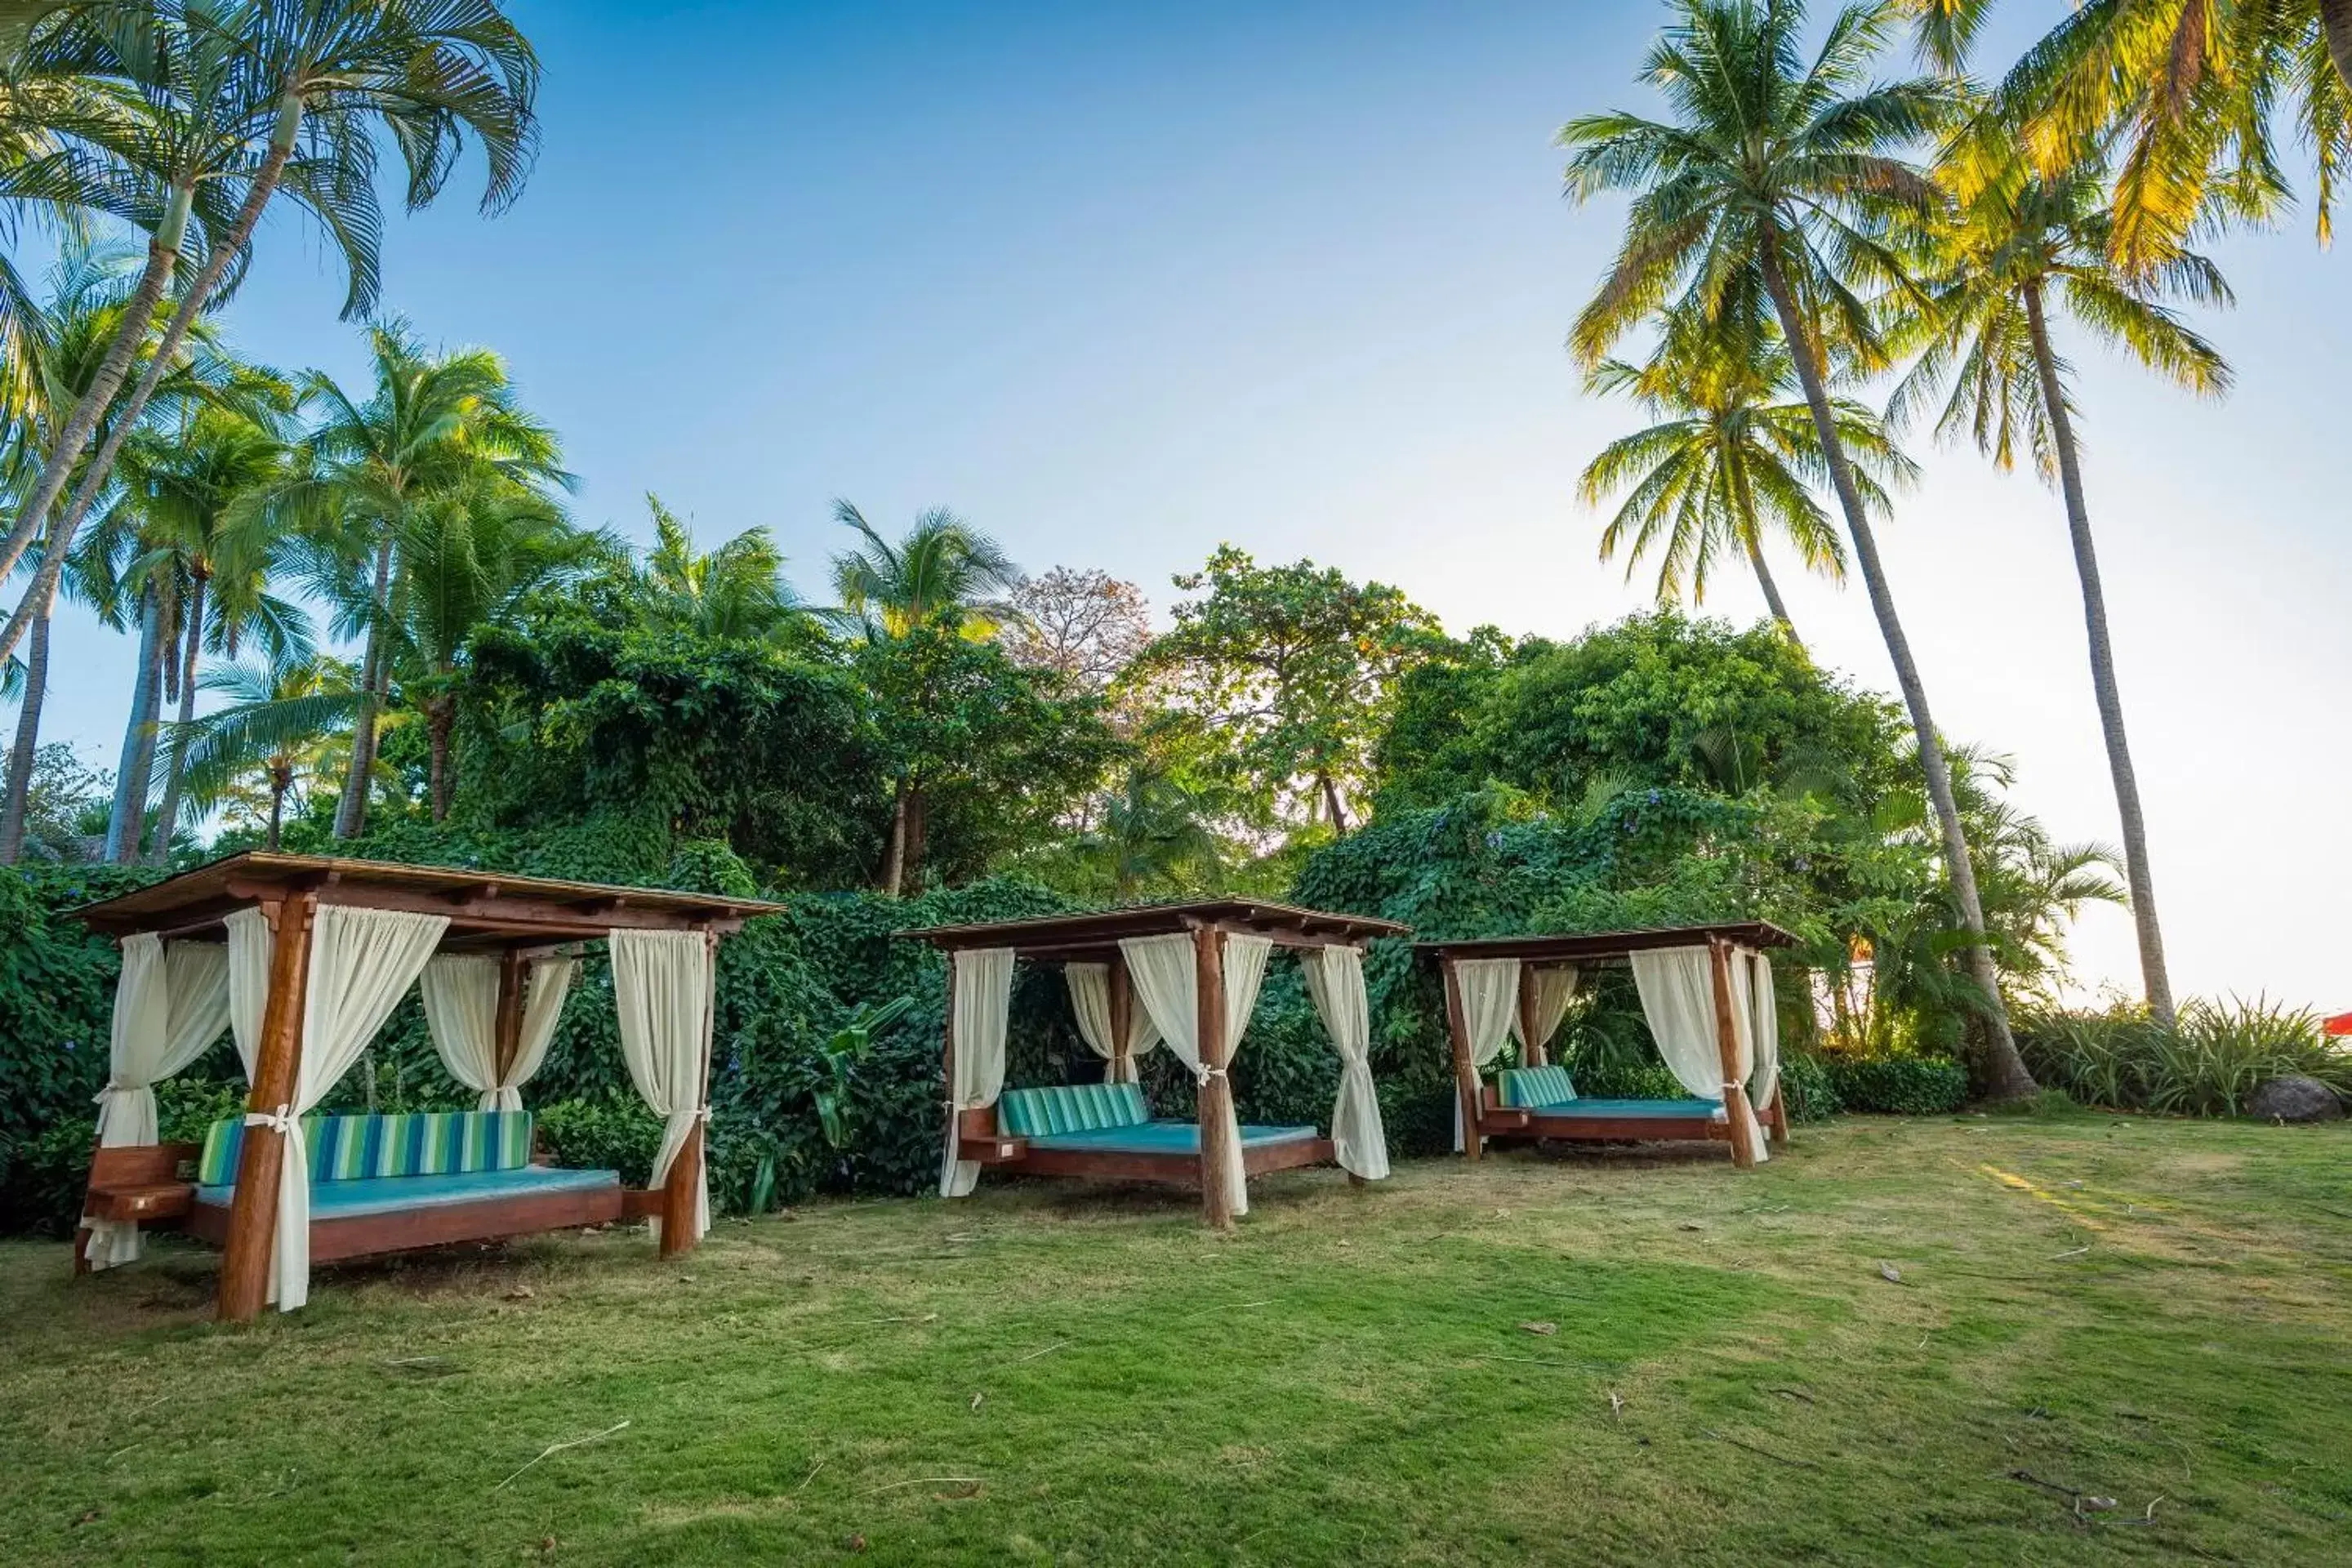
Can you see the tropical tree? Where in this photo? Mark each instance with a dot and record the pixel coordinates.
(1734, 455)
(1783, 177)
(1153, 834)
(261, 98)
(737, 590)
(942, 570)
(468, 552)
(2022, 248)
(432, 425)
(286, 725)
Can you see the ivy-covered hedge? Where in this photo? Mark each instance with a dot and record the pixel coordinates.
(1898, 1085)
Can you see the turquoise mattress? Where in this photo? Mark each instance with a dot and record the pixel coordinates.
(1162, 1138)
(1644, 1110)
(390, 1194)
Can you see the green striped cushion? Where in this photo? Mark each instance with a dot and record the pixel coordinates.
(354, 1148)
(1537, 1086)
(1071, 1108)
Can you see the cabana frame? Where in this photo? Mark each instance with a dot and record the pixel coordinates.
(509, 917)
(1095, 939)
(1484, 1118)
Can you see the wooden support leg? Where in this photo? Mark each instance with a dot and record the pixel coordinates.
(1216, 1094)
(1779, 1115)
(1465, 1075)
(253, 1209)
(1742, 1115)
(678, 1193)
(1122, 1019)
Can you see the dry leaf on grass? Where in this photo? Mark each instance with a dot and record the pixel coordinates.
(1892, 1275)
(976, 1400)
(1541, 1328)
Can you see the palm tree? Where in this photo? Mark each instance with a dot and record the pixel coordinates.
(1782, 178)
(2022, 246)
(291, 97)
(432, 424)
(943, 569)
(287, 722)
(737, 590)
(1153, 836)
(942, 573)
(467, 553)
(1732, 457)
(2191, 98)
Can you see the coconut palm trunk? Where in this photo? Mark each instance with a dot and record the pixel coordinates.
(351, 811)
(894, 859)
(28, 742)
(2137, 873)
(168, 815)
(2004, 1070)
(125, 821)
(1780, 612)
(2335, 17)
(440, 720)
(183, 320)
(82, 424)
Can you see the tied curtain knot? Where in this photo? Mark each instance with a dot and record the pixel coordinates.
(1204, 1073)
(280, 1121)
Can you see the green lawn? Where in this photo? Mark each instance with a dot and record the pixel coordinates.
(2156, 1313)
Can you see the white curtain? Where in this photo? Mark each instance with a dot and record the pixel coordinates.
(1677, 987)
(663, 985)
(1554, 990)
(461, 1009)
(461, 1012)
(169, 1005)
(1488, 989)
(981, 1003)
(1751, 975)
(1161, 970)
(249, 940)
(1335, 978)
(363, 962)
(1090, 1004)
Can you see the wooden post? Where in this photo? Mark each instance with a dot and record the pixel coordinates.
(1465, 1075)
(278, 1058)
(1122, 1013)
(1742, 1116)
(946, 1058)
(1217, 1095)
(684, 1187)
(1531, 1051)
(509, 1014)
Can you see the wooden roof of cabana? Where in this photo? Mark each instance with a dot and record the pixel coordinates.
(487, 911)
(1571, 947)
(1095, 936)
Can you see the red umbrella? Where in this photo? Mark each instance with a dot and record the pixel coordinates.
(2340, 1025)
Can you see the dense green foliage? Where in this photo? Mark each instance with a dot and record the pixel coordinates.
(2207, 1064)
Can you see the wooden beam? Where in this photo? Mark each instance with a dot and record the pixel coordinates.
(1531, 1051)
(1466, 1073)
(1122, 1016)
(508, 1036)
(278, 1059)
(1741, 1114)
(1216, 1095)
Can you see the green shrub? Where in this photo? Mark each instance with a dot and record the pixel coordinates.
(2207, 1064)
(1897, 1086)
(1805, 1085)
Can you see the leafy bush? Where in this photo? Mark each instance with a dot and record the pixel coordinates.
(2209, 1064)
(1806, 1085)
(1897, 1086)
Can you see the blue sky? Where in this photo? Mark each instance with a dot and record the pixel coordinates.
(1119, 282)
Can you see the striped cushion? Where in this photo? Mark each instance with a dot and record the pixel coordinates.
(1070, 1108)
(360, 1148)
(1537, 1086)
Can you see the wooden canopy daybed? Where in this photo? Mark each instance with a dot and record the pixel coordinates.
(1706, 991)
(1185, 975)
(301, 959)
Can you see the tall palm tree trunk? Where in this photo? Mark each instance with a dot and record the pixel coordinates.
(1771, 591)
(28, 743)
(894, 858)
(351, 810)
(2335, 17)
(440, 719)
(168, 815)
(281, 779)
(2137, 874)
(82, 424)
(2004, 1070)
(183, 319)
(125, 822)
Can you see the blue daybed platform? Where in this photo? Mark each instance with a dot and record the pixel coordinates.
(1542, 1102)
(1106, 1131)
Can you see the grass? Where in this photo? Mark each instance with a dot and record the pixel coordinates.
(2151, 1313)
